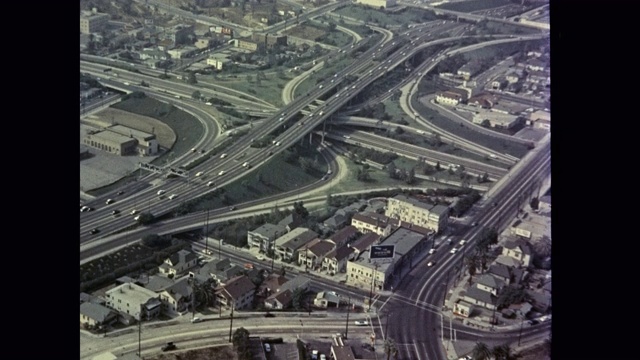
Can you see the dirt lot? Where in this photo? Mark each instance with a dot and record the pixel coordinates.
(212, 353)
(305, 32)
(165, 135)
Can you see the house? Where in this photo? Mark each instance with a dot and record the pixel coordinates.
(292, 221)
(336, 260)
(344, 236)
(314, 253)
(177, 298)
(156, 283)
(518, 250)
(363, 243)
(521, 309)
(271, 284)
(134, 300)
(468, 70)
(489, 283)
(509, 275)
(287, 246)
(237, 293)
(507, 261)
(477, 296)
(220, 270)
(281, 298)
(84, 297)
(372, 222)
(95, 315)
(325, 299)
(540, 301)
(335, 222)
(179, 263)
(265, 236)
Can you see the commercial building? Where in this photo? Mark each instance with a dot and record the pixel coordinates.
(378, 3)
(379, 274)
(373, 222)
(448, 98)
(496, 119)
(218, 61)
(111, 142)
(414, 211)
(147, 144)
(93, 22)
(270, 40)
(131, 299)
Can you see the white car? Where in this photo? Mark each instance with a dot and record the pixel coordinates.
(430, 263)
(361, 322)
(196, 320)
(245, 164)
(109, 201)
(173, 196)
(160, 192)
(85, 209)
(267, 347)
(199, 173)
(210, 183)
(432, 251)
(277, 143)
(223, 156)
(462, 242)
(453, 251)
(133, 212)
(221, 173)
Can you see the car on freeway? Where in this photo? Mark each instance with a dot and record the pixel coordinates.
(120, 192)
(199, 173)
(462, 242)
(136, 218)
(110, 201)
(210, 183)
(221, 173)
(232, 208)
(246, 164)
(173, 196)
(168, 346)
(133, 212)
(160, 192)
(361, 322)
(453, 251)
(85, 209)
(115, 212)
(432, 251)
(431, 263)
(223, 156)
(475, 223)
(94, 231)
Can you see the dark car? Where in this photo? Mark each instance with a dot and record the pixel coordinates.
(115, 212)
(169, 346)
(534, 322)
(120, 192)
(94, 231)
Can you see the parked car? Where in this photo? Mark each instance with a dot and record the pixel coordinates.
(361, 322)
(196, 320)
(267, 347)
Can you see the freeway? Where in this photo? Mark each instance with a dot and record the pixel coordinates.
(384, 144)
(496, 211)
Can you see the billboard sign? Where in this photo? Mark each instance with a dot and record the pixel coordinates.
(382, 251)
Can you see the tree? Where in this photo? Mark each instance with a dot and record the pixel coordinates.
(204, 292)
(390, 348)
(391, 169)
(472, 262)
(481, 351)
(145, 218)
(191, 78)
(503, 352)
(438, 166)
(196, 95)
(437, 140)
(298, 208)
(411, 176)
(543, 247)
(534, 203)
(297, 298)
(240, 341)
(249, 78)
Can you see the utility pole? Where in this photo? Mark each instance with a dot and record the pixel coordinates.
(219, 249)
(231, 324)
(373, 273)
(206, 235)
(520, 334)
(386, 325)
(346, 330)
(140, 332)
